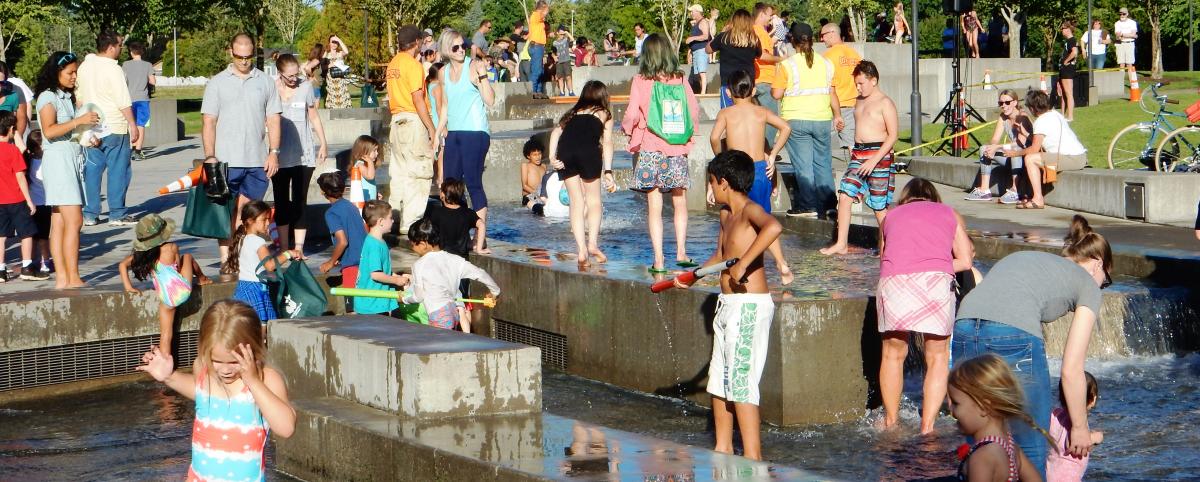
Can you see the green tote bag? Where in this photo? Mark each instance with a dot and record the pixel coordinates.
(207, 218)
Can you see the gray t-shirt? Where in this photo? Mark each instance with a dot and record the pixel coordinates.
(241, 107)
(479, 40)
(1028, 288)
(562, 47)
(295, 131)
(137, 77)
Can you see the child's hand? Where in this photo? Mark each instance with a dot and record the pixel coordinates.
(1080, 441)
(865, 169)
(203, 280)
(403, 279)
(130, 289)
(683, 285)
(32, 207)
(483, 251)
(247, 365)
(738, 272)
(490, 300)
(1097, 437)
(157, 364)
(296, 254)
(326, 266)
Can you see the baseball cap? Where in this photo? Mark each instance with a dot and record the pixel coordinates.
(408, 34)
(696, 8)
(801, 29)
(428, 32)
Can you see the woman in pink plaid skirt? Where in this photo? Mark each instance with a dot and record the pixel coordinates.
(924, 243)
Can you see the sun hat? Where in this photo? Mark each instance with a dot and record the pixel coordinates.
(152, 231)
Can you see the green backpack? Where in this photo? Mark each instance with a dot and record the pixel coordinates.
(669, 116)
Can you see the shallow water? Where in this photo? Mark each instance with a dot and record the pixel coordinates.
(624, 239)
(1147, 411)
(141, 431)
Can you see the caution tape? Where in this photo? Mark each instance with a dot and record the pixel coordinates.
(951, 136)
(1026, 76)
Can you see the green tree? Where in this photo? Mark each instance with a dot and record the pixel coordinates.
(20, 18)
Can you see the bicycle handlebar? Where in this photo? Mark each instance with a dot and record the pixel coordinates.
(1171, 101)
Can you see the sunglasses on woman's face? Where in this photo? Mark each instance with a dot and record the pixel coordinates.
(1107, 281)
(456, 47)
(1005, 102)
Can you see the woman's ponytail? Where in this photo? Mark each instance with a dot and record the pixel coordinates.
(1079, 228)
(1082, 244)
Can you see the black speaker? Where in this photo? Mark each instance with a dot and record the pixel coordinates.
(955, 7)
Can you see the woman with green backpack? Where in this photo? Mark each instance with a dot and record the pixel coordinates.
(659, 121)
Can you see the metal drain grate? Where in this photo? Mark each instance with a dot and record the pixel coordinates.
(84, 361)
(553, 345)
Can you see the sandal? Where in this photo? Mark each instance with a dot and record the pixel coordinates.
(1030, 205)
(654, 270)
(687, 263)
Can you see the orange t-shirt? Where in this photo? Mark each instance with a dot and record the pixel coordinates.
(537, 28)
(766, 70)
(844, 58)
(404, 76)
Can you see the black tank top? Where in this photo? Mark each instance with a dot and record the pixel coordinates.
(580, 138)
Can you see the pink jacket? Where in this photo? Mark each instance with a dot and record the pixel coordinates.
(634, 123)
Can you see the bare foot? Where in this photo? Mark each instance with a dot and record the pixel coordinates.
(77, 284)
(884, 424)
(785, 275)
(599, 255)
(582, 259)
(483, 251)
(836, 249)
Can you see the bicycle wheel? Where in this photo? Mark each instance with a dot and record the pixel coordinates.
(1179, 150)
(1133, 147)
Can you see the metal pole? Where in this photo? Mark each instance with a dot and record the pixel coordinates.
(914, 99)
(1191, 43)
(70, 38)
(175, 49)
(1088, 49)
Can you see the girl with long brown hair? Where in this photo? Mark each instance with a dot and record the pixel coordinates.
(248, 248)
(581, 149)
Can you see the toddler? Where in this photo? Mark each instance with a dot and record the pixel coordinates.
(1060, 465)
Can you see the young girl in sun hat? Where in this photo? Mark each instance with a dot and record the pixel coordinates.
(157, 258)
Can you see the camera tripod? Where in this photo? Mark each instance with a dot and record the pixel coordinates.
(957, 112)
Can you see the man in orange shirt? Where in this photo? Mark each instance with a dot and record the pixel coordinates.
(537, 47)
(844, 59)
(411, 145)
(765, 63)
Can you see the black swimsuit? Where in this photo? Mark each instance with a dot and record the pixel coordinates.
(579, 147)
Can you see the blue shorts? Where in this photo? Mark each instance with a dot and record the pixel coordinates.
(760, 191)
(699, 62)
(248, 181)
(141, 112)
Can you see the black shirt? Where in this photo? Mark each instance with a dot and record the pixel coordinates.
(734, 58)
(454, 227)
(1068, 45)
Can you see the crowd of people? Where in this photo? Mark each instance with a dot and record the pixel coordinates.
(777, 96)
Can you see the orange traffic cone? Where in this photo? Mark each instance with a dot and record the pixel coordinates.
(194, 178)
(1135, 91)
(1043, 86)
(357, 196)
(987, 80)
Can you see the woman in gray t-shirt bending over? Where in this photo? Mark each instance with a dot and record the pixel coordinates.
(1004, 315)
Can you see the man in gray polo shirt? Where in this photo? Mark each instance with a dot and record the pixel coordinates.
(239, 104)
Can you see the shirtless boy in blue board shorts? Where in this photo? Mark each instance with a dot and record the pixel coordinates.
(869, 179)
(742, 325)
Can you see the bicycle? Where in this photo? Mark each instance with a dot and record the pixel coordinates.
(1184, 152)
(1139, 143)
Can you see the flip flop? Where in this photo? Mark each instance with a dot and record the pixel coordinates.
(654, 270)
(687, 263)
(1031, 206)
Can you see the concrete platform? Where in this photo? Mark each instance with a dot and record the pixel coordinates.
(405, 369)
(1166, 198)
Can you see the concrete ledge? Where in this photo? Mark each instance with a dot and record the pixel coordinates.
(406, 369)
(343, 126)
(661, 344)
(164, 127)
(1098, 191)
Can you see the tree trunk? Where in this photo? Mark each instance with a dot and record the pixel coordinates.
(1014, 32)
(858, 25)
(1049, 35)
(3, 44)
(1156, 65)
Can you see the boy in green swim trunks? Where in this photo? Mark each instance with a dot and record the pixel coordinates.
(742, 325)
(869, 178)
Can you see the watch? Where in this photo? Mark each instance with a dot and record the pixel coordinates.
(483, 77)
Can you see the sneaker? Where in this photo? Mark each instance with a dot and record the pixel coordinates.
(48, 266)
(91, 221)
(979, 195)
(127, 220)
(4, 275)
(138, 156)
(31, 273)
(794, 213)
(1009, 197)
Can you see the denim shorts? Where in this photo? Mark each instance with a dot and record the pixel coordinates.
(250, 182)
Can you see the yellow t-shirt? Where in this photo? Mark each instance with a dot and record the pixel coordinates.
(844, 58)
(404, 76)
(766, 70)
(537, 28)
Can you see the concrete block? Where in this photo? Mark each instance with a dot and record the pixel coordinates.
(163, 127)
(1098, 191)
(409, 370)
(343, 126)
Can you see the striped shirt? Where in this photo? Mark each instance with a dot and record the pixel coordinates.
(228, 437)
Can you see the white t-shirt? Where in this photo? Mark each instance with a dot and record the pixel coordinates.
(248, 257)
(1059, 138)
(436, 276)
(1093, 38)
(557, 201)
(1127, 26)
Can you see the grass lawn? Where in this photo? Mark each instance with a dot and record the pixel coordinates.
(1096, 125)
